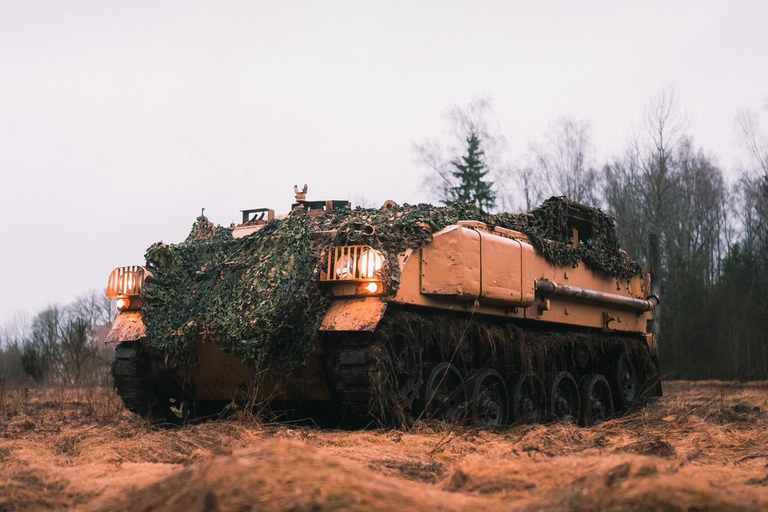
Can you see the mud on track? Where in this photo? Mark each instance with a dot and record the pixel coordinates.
(704, 446)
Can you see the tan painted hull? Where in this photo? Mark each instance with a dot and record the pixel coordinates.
(467, 268)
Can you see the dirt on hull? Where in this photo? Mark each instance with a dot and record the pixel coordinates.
(700, 447)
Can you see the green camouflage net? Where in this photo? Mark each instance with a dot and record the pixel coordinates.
(259, 296)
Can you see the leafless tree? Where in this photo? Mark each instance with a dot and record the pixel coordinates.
(665, 126)
(95, 307)
(12, 337)
(41, 354)
(697, 216)
(519, 188)
(60, 346)
(745, 280)
(640, 185)
(564, 164)
(753, 139)
(753, 182)
(79, 352)
(665, 185)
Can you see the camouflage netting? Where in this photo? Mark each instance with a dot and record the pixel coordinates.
(258, 296)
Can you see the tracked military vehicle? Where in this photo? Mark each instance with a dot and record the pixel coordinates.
(390, 315)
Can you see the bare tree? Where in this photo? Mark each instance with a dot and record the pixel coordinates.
(697, 217)
(752, 138)
(41, 356)
(12, 337)
(746, 267)
(95, 307)
(622, 193)
(79, 352)
(663, 184)
(564, 162)
(60, 347)
(665, 126)
(640, 185)
(520, 188)
(16, 330)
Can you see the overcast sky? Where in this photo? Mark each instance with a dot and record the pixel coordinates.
(120, 120)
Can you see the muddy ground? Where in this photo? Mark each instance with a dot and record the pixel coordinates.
(704, 446)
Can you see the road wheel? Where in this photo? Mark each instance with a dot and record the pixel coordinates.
(596, 400)
(624, 379)
(582, 357)
(444, 396)
(489, 404)
(528, 399)
(562, 395)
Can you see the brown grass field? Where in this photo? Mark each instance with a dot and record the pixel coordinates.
(703, 446)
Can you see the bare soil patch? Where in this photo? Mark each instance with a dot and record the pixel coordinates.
(703, 446)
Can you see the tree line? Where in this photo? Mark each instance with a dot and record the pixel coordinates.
(60, 345)
(713, 235)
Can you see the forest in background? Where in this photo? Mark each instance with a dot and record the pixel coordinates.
(713, 236)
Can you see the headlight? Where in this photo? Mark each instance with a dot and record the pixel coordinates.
(354, 262)
(126, 283)
(344, 267)
(369, 263)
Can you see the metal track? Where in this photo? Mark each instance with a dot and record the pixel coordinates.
(350, 366)
(132, 376)
(351, 369)
(136, 383)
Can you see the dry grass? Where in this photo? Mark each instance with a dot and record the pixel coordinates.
(703, 446)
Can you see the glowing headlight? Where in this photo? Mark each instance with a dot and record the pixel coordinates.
(362, 264)
(369, 263)
(344, 267)
(126, 283)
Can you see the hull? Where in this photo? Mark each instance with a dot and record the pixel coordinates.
(479, 317)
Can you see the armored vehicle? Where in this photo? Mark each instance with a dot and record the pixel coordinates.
(389, 316)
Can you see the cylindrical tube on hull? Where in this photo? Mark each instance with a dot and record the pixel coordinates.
(549, 288)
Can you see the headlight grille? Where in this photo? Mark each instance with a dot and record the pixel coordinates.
(125, 281)
(352, 263)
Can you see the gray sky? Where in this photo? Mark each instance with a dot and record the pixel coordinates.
(120, 120)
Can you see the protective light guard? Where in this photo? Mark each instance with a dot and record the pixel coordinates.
(126, 281)
(350, 270)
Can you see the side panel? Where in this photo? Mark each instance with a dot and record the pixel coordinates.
(450, 265)
(529, 282)
(507, 270)
(569, 311)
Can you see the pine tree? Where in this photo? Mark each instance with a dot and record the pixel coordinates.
(469, 172)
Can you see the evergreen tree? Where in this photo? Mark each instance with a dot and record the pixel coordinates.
(469, 172)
